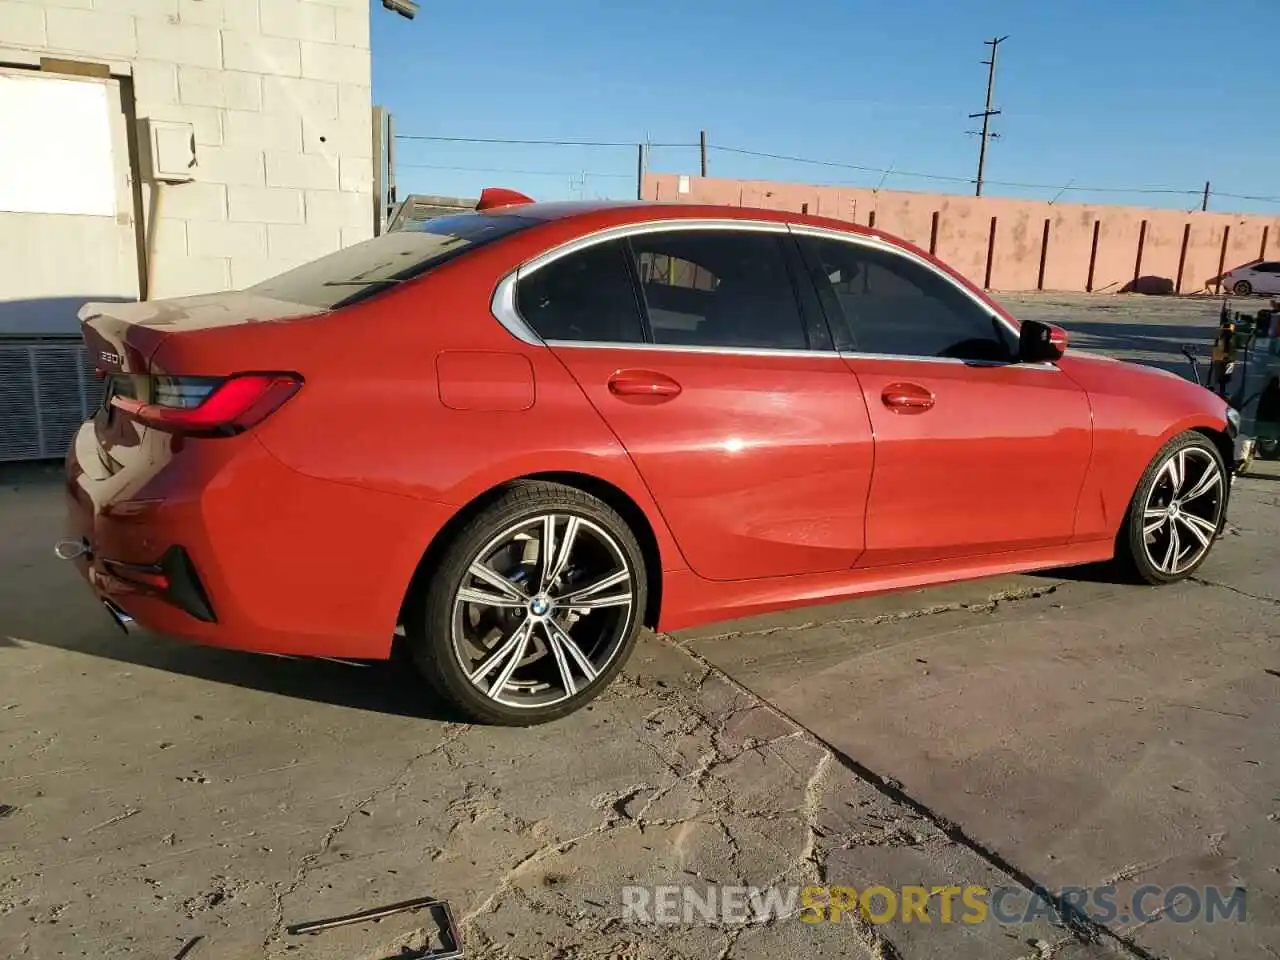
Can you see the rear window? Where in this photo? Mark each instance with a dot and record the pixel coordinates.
(367, 268)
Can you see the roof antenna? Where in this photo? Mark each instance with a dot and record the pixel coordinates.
(491, 197)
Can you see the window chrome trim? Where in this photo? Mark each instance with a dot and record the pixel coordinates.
(692, 348)
(777, 352)
(649, 226)
(503, 307)
(503, 303)
(911, 358)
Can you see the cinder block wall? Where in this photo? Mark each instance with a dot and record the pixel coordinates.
(1017, 245)
(279, 95)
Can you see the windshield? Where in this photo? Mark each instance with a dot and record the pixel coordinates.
(367, 268)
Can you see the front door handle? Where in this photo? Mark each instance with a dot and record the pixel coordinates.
(907, 398)
(643, 385)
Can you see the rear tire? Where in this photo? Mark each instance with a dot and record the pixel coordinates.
(1177, 511)
(534, 607)
(1242, 288)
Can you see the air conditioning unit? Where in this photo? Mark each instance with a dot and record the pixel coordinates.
(48, 388)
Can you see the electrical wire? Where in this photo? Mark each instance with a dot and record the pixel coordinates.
(791, 158)
(540, 143)
(527, 173)
(950, 179)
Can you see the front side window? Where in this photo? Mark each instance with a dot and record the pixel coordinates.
(372, 266)
(718, 288)
(896, 306)
(586, 295)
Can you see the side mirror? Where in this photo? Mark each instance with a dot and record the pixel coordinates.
(1040, 342)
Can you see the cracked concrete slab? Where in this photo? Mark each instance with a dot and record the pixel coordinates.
(1089, 732)
(1016, 731)
(155, 792)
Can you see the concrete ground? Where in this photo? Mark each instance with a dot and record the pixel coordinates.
(1150, 330)
(1038, 731)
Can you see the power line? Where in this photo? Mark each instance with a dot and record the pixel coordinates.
(883, 172)
(944, 178)
(537, 143)
(528, 173)
(834, 163)
(1242, 196)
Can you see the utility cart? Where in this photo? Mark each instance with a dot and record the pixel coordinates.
(1245, 371)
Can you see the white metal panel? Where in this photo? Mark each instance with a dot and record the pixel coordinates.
(55, 155)
(73, 240)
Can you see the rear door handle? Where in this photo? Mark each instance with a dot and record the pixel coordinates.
(643, 385)
(907, 398)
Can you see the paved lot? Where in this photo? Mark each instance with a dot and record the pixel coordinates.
(1049, 730)
(1150, 330)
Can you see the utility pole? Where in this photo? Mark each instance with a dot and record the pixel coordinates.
(1204, 204)
(391, 163)
(988, 113)
(702, 152)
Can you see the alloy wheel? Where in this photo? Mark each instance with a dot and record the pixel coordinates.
(543, 609)
(1183, 510)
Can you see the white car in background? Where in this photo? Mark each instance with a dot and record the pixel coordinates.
(1260, 277)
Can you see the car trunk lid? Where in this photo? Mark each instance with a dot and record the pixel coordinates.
(123, 337)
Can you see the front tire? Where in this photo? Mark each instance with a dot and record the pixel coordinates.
(1177, 510)
(534, 607)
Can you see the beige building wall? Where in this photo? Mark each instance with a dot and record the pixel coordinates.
(1008, 240)
(278, 96)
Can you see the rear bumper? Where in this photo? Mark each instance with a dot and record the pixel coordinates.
(226, 546)
(172, 578)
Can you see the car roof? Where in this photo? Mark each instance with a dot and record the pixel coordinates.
(638, 211)
(592, 215)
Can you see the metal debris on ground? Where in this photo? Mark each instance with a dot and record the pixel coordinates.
(130, 812)
(451, 940)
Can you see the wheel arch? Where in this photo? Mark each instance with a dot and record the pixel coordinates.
(603, 490)
(1215, 434)
(1220, 439)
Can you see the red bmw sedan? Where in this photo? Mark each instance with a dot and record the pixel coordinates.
(518, 435)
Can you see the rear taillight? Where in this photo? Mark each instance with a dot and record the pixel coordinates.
(210, 406)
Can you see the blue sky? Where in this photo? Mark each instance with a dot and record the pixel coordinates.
(1118, 94)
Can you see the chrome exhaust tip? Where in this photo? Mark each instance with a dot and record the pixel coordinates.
(122, 619)
(68, 549)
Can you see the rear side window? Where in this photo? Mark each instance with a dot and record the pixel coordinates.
(718, 288)
(368, 268)
(584, 296)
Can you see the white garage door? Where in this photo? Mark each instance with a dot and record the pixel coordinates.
(66, 236)
(66, 208)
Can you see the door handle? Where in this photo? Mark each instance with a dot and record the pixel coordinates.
(907, 398)
(643, 385)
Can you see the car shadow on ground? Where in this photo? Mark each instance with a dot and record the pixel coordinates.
(1154, 345)
(1107, 571)
(1144, 336)
(44, 602)
(382, 686)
